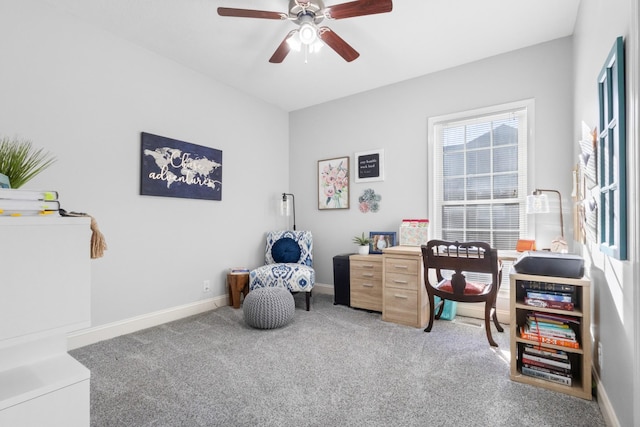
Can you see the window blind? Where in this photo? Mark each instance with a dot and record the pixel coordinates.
(479, 173)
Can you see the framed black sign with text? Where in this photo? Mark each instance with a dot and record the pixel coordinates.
(369, 166)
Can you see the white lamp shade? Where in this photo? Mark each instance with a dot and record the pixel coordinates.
(308, 33)
(284, 207)
(537, 204)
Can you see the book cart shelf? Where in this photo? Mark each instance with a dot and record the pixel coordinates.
(579, 358)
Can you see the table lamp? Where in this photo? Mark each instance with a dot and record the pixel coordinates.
(538, 202)
(284, 207)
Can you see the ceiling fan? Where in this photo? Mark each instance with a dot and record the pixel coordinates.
(308, 14)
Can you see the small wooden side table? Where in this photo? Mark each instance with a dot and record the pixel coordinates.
(238, 284)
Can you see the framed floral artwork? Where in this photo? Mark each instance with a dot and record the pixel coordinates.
(333, 183)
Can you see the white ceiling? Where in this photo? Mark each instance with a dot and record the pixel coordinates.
(418, 37)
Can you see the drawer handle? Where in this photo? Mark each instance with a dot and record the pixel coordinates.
(367, 285)
(402, 282)
(367, 265)
(367, 274)
(401, 296)
(401, 267)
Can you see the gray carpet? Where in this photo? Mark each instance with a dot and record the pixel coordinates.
(331, 366)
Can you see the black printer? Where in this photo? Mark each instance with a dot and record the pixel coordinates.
(545, 263)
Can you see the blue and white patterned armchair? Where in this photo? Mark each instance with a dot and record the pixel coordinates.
(288, 260)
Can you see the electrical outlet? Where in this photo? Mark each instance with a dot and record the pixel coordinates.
(206, 286)
(600, 355)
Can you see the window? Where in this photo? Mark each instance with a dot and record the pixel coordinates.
(612, 155)
(478, 184)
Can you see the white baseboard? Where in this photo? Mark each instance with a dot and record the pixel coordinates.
(88, 336)
(477, 310)
(604, 403)
(322, 288)
(111, 330)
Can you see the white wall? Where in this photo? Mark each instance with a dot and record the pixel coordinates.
(615, 310)
(394, 118)
(85, 96)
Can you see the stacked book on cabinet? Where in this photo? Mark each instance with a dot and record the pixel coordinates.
(18, 202)
(546, 363)
(549, 295)
(550, 328)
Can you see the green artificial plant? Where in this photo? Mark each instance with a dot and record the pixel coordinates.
(21, 162)
(361, 240)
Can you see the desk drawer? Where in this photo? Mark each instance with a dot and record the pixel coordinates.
(402, 265)
(401, 306)
(366, 269)
(366, 294)
(366, 281)
(401, 281)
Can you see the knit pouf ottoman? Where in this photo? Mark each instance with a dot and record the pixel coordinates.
(268, 308)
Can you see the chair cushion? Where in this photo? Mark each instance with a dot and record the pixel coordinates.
(304, 239)
(285, 250)
(291, 276)
(471, 288)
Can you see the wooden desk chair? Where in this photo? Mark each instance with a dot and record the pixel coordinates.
(462, 258)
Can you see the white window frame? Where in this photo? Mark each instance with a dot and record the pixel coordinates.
(525, 156)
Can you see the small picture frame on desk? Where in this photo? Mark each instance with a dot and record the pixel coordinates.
(380, 240)
(4, 181)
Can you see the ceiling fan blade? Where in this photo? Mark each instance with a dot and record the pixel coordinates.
(249, 13)
(283, 50)
(336, 43)
(358, 8)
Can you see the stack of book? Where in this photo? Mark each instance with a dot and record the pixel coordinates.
(239, 270)
(549, 328)
(18, 202)
(549, 295)
(546, 363)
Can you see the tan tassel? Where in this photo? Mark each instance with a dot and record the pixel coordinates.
(98, 243)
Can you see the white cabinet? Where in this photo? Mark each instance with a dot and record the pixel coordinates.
(44, 294)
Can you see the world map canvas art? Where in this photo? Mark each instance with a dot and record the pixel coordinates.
(173, 168)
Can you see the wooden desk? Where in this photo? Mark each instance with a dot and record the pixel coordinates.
(405, 299)
(238, 283)
(508, 255)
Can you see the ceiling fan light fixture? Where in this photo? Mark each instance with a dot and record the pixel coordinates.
(316, 46)
(308, 14)
(308, 33)
(294, 44)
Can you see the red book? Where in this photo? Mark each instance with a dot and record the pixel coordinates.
(564, 368)
(547, 340)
